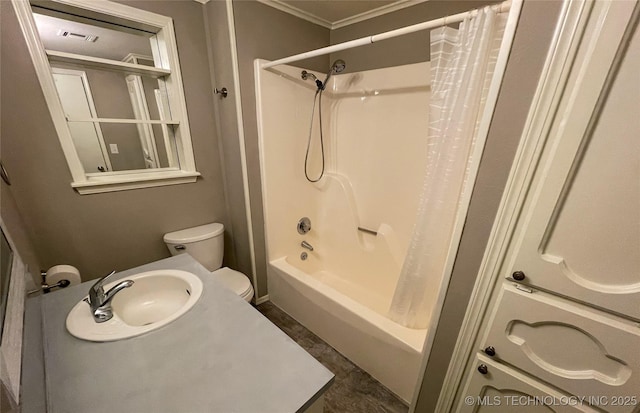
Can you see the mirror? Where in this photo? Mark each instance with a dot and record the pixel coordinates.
(102, 105)
(6, 261)
(110, 75)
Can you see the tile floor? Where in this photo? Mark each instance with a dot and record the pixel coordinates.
(353, 390)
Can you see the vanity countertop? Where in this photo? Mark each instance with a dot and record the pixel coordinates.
(221, 356)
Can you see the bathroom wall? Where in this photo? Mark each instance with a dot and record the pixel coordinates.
(411, 48)
(15, 226)
(532, 40)
(117, 230)
(225, 116)
(267, 33)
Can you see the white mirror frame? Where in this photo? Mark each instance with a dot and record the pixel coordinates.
(167, 58)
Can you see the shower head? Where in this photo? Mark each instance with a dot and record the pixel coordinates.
(337, 67)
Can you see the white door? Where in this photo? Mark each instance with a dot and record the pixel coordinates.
(566, 312)
(579, 233)
(141, 112)
(77, 102)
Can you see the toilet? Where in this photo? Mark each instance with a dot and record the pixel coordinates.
(205, 243)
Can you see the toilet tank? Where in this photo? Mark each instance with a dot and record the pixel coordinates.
(205, 243)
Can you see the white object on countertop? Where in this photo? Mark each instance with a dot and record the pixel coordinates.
(63, 272)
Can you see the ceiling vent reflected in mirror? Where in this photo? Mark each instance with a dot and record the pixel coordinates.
(57, 30)
(86, 37)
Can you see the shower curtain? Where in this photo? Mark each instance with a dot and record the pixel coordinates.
(462, 63)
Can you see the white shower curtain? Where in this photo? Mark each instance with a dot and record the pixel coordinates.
(462, 63)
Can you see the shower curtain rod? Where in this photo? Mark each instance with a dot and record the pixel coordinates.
(443, 21)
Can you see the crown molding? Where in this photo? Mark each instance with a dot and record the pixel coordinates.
(378, 11)
(294, 11)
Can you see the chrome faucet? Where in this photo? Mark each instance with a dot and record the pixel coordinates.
(305, 244)
(100, 302)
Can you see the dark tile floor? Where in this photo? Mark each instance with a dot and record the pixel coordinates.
(353, 389)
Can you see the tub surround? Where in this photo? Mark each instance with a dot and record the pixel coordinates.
(343, 289)
(222, 355)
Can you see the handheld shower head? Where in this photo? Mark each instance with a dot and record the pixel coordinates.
(337, 67)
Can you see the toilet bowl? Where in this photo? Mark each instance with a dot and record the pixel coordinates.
(205, 243)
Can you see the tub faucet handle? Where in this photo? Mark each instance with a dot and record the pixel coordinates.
(304, 225)
(306, 245)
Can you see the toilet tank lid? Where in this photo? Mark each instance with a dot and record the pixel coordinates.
(194, 234)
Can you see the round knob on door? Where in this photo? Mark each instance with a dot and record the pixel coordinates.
(490, 351)
(483, 369)
(518, 276)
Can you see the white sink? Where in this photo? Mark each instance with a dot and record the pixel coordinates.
(155, 299)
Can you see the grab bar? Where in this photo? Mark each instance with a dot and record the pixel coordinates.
(368, 231)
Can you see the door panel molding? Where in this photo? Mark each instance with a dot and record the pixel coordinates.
(502, 389)
(578, 349)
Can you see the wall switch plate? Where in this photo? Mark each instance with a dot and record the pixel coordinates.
(113, 147)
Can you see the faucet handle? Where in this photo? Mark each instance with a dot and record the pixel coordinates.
(96, 293)
(101, 281)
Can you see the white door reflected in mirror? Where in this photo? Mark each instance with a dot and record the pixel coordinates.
(77, 102)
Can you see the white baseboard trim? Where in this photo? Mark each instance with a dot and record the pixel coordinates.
(262, 299)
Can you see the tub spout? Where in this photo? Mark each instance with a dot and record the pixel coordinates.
(305, 244)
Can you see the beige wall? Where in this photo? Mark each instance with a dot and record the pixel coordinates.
(116, 230)
(111, 98)
(16, 230)
(266, 33)
(530, 46)
(407, 49)
(221, 75)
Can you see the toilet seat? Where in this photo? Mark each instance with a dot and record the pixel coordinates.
(235, 281)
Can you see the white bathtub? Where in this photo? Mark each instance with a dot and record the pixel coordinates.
(389, 352)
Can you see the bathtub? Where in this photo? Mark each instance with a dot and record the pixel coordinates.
(336, 311)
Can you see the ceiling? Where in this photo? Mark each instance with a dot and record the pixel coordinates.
(111, 44)
(334, 14)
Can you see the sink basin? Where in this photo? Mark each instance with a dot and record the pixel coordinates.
(154, 300)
